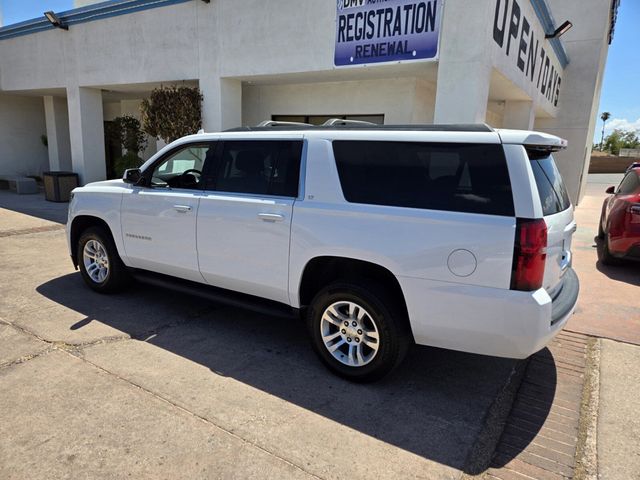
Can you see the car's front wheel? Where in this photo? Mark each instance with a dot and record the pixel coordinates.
(99, 262)
(359, 332)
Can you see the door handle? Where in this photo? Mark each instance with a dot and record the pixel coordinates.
(271, 217)
(182, 208)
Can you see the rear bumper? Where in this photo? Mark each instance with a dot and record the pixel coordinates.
(487, 321)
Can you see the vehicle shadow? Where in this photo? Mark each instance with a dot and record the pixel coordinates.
(434, 406)
(627, 271)
(530, 409)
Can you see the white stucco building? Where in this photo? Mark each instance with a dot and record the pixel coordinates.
(396, 61)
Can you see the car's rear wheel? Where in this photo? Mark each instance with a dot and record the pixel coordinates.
(600, 229)
(360, 333)
(99, 262)
(605, 254)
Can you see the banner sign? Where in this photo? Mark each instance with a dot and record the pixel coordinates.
(375, 31)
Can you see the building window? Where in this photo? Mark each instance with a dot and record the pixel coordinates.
(320, 119)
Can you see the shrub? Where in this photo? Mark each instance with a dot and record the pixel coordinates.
(127, 132)
(172, 112)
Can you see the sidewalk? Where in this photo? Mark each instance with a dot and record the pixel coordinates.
(619, 413)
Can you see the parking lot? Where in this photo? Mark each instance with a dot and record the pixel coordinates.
(153, 384)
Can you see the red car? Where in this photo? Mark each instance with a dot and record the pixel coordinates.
(620, 220)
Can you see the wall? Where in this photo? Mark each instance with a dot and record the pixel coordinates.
(401, 100)
(587, 46)
(21, 149)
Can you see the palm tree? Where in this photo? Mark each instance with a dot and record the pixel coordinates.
(604, 117)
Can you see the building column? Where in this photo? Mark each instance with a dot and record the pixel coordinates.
(86, 128)
(57, 123)
(518, 114)
(222, 104)
(463, 92)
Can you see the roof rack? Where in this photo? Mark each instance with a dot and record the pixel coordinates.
(333, 122)
(294, 126)
(277, 123)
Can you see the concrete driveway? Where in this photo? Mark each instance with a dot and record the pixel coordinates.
(152, 384)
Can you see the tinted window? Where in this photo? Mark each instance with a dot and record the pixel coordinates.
(629, 184)
(454, 177)
(553, 194)
(260, 167)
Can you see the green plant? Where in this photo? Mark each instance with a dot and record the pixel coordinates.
(127, 132)
(172, 112)
(621, 139)
(128, 160)
(604, 117)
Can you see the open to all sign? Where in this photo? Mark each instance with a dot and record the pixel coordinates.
(513, 32)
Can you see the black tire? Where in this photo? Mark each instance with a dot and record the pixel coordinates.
(604, 253)
(117, 277)
(600, 229)
(384, 311)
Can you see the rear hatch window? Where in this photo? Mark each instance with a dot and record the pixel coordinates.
(557, 215)
(553, 194)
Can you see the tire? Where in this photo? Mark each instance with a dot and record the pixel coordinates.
(375, 314)
(111, 275)
(600, 229)
(605, 254)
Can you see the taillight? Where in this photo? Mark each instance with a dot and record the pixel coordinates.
(529, 254)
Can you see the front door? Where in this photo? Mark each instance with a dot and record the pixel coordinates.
(159, 219)
(244, 218)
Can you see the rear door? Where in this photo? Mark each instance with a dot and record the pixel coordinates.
(244, 218)
(558, 215)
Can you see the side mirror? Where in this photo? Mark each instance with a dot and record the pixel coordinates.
(132, 175)
(611, 190)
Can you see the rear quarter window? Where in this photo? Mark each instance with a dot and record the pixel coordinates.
(470, 178)
(553, 194)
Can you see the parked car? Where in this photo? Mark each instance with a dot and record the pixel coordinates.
(454, 236)
(619, 227)
(632, 166)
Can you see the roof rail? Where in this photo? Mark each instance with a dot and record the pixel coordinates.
(291, 126)
(332, 122)
(277, 123)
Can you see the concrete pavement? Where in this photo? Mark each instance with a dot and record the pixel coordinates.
(609, 303)
(158, 385)
(153, 384)
(619, 418)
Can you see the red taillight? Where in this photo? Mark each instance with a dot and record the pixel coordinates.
(529, 254)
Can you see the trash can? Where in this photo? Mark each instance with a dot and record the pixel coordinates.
(58, 185)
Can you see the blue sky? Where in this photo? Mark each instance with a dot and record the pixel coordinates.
(14, 11)
(621, 88)
(620, 92)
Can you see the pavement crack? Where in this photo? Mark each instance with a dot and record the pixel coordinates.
(25, 358)
(195, 415)
(67, 346)
(25, 231)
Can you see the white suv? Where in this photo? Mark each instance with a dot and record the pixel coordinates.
(455, 236)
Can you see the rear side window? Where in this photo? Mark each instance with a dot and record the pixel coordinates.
(437, 176)
(630, 183)
(553, 194)
(261, 167)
